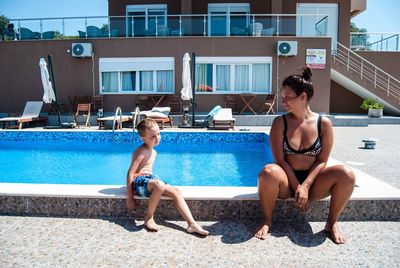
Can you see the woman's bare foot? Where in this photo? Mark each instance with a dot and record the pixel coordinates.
(151, 225)
(335, 233)
(263, 230)
(195, 228)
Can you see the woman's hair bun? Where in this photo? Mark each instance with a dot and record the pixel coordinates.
(307, 74)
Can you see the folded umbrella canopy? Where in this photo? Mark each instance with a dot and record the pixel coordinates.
(186, 92)
(48, 96)
(188, 79)
(49, 88)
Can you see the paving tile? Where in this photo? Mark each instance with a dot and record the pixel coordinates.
(73, 242)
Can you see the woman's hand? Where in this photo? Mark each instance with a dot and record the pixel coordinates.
(301, 198)
(130, 203)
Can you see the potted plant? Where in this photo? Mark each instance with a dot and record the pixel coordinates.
(374, 107)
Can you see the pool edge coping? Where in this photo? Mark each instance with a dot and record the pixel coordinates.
(367, 188)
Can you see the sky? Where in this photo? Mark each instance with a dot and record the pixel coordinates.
(380, 16)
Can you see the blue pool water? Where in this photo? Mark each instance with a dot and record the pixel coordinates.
(190, 159)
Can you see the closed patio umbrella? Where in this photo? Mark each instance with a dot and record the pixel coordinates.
(49, 88)
(186, 92)
(188, 79)
(48, 96)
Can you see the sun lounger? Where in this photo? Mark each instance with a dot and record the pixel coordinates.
(118, 120)
(160, 115)
(30, 114)
(223, 119)
(207, 121)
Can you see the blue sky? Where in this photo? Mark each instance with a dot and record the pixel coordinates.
(380, 16)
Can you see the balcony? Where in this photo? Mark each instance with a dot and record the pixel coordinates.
(374, 41)
(204, 25)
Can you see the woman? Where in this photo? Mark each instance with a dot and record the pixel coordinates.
(301, 142)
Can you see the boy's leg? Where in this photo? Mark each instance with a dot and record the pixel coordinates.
(183, 209)
(156, 188)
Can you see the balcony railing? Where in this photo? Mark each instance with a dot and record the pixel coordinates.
(168, 25)
(374, 41)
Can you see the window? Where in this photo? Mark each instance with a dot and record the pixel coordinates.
(233, 75)
(228, 19)
(143, 20)
(136, 75)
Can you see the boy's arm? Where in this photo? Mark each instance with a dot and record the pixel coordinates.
(130, 203)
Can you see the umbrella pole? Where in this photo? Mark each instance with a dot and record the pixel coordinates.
(53, 82)
(193, 87)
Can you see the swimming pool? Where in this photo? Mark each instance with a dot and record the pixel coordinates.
(184, 158)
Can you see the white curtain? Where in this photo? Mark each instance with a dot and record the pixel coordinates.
(261, 79)
(223, 77)
(128, 81)
(146, 81)
(165, 81)
(242, 76)
(109, 81)
(201, 77)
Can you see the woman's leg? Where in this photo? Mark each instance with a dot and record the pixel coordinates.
(156, 188)
(183, 209)
(272, 183)
(338, 182)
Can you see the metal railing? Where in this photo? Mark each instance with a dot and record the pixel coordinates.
(135, 119)
(367, 71)
(374, 41)
(165, 25)
(118, 111)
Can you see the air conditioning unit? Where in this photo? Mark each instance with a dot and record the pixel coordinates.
(82, 50)
(287, 48)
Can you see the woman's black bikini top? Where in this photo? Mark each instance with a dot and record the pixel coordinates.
(313, 150)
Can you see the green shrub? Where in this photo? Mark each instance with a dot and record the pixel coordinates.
(371, 104)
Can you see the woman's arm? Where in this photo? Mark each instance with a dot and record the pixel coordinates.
(276, 142)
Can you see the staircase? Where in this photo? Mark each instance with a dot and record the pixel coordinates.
(365, 79)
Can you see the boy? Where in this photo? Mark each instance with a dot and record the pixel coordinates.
(140, 179)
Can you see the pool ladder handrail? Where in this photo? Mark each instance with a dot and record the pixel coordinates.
(136, 117)
(117, 111)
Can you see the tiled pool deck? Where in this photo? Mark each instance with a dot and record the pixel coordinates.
(294, 242)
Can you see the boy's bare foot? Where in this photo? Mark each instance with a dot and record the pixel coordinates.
(334, 233)
(263, 230)
(151, 225)
(195, 228)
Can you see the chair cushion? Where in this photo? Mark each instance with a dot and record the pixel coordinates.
(152, 114)
(157, 112)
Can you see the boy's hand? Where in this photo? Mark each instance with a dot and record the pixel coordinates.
(130, 203)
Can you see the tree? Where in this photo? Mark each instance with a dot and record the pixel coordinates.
(104, 29)
(358, 39)
(3, 25)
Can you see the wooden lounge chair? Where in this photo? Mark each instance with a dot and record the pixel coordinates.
(207, 121)
(118, 120)
(160, 115)
(223, 119)
(31, 114)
